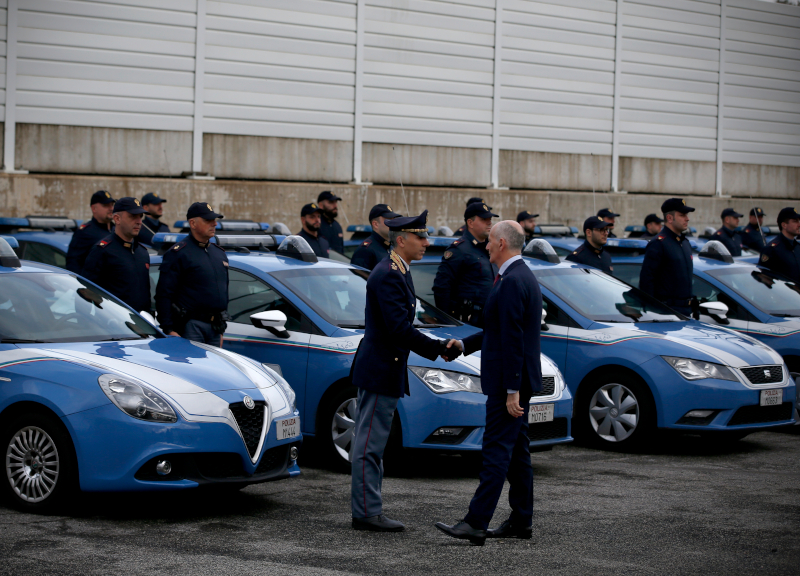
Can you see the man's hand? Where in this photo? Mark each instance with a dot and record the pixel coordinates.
(512, 404)
(173, 333)
(452, 351)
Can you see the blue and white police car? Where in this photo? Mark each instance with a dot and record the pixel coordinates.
(94, 397)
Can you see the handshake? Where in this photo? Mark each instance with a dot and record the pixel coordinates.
(450, 350)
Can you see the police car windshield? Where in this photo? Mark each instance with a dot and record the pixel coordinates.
(46, 307)
(763, 290)
(602, 298)
(339, 295)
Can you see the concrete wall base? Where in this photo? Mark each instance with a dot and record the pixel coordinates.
(552, 171)
(426, 165)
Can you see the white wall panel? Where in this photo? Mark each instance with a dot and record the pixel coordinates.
(762, 84)
(3, 36)
(276, 68)
(106, 64)
(429, 72)
(557, 82)
(669, 82)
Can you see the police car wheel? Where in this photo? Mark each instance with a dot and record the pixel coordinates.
(617, 413)
(39, 463)
(336, 425)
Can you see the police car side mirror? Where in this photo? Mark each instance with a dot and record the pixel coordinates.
(149, 317)
(545, 327)
(271, 320)
(717, 310)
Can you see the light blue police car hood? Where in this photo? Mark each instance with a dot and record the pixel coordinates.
(693, 340)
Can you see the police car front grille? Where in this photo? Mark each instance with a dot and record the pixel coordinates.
(548, 430)
(764, 374)
(250, 422)
(761, 414)
(548, 386)
(273, 460)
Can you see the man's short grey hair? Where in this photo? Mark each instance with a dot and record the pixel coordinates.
(394, 235)
(507, 231)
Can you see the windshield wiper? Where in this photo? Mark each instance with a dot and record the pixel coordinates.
(614, 321)
(21, 341)
(351, 326)
(423, 325)
(120, 339)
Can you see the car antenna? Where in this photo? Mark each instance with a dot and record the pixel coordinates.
(594, 200)
(755, 213)
(399, 177)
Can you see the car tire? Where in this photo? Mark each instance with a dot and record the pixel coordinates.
(616, 412)
(335, 427)
(40, 472)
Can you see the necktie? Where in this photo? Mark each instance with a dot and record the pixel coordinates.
(496, 278)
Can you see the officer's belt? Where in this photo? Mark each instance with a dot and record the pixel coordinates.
(203, 317)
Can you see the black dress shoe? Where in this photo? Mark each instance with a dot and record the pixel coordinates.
(464, 531)
(508, 530)
(379, 523)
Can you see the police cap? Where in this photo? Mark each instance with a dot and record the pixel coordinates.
(606, 213)
(382, 210)
(787, 214)
(675, 205)
(474, 199)
(101, 197)
(309, 209)
(130, 205)
(595, 223)
(152, 198)
(524, 215)
(757, 212)
(730, 212)
(652, 218)
(415, 224)
(202, 210)
(478, 209)
(328, 195)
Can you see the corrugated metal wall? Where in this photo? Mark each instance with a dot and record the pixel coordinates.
(3, 36)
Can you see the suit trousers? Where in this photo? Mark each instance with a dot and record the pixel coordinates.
(374, 413)
(506, 454)
(201, 332)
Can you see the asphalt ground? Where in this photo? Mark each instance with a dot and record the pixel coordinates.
(684, 507)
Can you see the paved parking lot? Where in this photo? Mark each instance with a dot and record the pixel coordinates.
(686, 507)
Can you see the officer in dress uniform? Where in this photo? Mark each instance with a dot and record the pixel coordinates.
(380, 368)
(465, 275)
(90, 233)
(473, 200)
(310, 219)
(751, 235)
(329, 228)
(592, 251)
(119, 263)
(782, 255)
(667, 268)
(727, 234)
(528, 223)
(609, 217)
(652, 225)
(152, 224)
(192, 291)
(376, 247)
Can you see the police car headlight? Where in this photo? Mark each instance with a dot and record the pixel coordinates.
(136, 400)
(697, 369)
(560, 383)
(291, 397)
(444, 381)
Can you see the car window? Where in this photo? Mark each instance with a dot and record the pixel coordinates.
(423, 276)
(248, 295)
(562, 252)
(763, 290)
(707, 292)
(628, 273)
(45, 254)
(556, 316)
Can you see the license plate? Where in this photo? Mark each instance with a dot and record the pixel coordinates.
(771, 397)
(288, 428)
(541, 413)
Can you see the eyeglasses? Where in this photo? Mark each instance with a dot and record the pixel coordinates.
(604, 231)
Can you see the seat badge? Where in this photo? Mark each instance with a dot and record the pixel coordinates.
(767, 374)
(248, 402)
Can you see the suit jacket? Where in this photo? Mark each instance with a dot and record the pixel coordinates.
(381, 363)
(510, 342)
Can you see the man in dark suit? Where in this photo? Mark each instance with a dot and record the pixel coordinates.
(510, 372)
(380, 368)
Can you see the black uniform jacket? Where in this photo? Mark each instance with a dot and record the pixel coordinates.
(731, 240)
(122, 268)
(83, 239)
(465, 273)
(782, 256)
(667, 269)
(381, 364)
(151, 227)
(372, 250)
(331, 230)
(752, 238)
(591, 256)
(194, 276)
(510, 342)
(318, 243)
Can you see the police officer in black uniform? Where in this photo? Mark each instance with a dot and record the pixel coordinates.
(465, 275)
(528, 223)
(751, 235)
(667, 268)
(376, 247)
(610, 217)
(652, 225)
(727, 234)
(782, 255)
(152, 224)
(119, 263)
(329, 228)
(463, 228)
(90, 233)
(592, 251)
(192, 291)
(310, 217)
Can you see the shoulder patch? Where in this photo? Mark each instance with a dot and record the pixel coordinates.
(102, 243)
(366, 242)
(719, 232)
(774, 244)
(447, 254)
(661, 237)
(218, 246)
(84, 225)
(764, 257)
(178, 246)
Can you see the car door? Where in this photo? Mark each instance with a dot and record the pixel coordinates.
(738, 317)
(555, 333)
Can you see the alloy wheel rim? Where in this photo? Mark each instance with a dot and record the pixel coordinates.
(614, 412)
(343, 427)
(32, 464)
